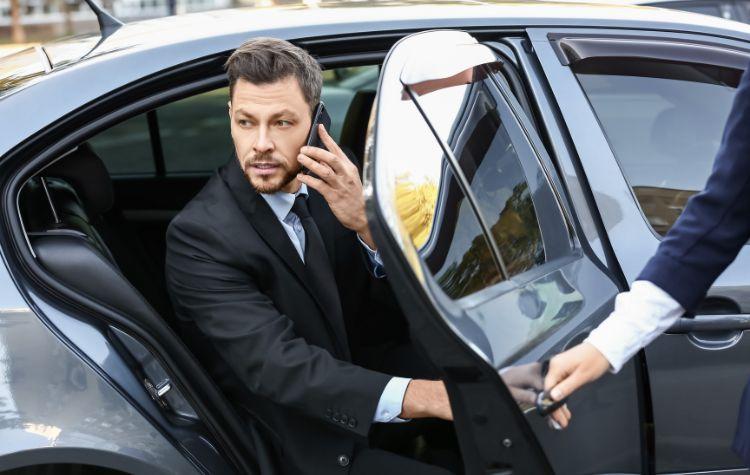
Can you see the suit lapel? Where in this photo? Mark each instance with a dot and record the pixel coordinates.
(265, 222)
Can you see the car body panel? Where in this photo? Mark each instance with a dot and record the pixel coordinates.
(143, 48)
(685, 372)
(56, 409)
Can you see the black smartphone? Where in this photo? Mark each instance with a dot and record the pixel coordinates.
(320, 116)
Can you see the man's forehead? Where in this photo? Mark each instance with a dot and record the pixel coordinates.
(285, 90)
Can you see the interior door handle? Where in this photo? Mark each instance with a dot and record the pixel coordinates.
(710, 323)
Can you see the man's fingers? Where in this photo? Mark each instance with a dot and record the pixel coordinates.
(324, 156)
(328, 141)
(321, 169)
(556, 373)
(561, 416)
(315, 183)
(568, 386)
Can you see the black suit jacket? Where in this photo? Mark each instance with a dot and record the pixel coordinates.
(273, 340)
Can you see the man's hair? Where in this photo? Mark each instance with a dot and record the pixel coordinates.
(267, 60)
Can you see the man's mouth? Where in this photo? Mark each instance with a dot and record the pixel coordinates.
(264, 168)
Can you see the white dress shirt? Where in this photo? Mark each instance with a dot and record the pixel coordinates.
(640, 315)
(392, 398)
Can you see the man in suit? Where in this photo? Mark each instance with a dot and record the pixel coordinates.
(702, 243)
(271, 272)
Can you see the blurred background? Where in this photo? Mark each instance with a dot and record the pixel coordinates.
(24, 23)
(28, 22)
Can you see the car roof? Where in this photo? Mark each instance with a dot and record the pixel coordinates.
(142, 48)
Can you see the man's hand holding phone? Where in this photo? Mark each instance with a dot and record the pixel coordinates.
(337, 179)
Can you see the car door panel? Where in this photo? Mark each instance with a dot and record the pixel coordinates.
(510, 324)
(696, 371)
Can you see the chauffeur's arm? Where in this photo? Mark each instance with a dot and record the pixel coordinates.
(706, 238)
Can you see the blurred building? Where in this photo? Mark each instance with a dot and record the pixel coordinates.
(46, 19)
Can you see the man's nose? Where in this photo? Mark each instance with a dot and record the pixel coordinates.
(263, 144)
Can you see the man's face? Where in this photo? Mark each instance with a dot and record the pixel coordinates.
(269, 123)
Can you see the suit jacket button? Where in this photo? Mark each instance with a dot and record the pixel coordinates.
(343, 460)
(336, 416)
(352, 422)
(344, 419)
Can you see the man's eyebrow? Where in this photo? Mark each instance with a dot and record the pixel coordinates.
(281, 113)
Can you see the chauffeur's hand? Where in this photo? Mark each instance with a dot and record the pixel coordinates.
(338, 181)
(574, 368)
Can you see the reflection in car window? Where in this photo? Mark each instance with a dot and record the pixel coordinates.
(18, 69)
(466, 117)
(664, 122)
(430, 205)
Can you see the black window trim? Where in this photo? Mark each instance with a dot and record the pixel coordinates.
(682, 55)
(573, 48)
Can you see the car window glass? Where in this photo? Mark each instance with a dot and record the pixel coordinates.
(340, 86)
(431, 206)
(125, 148)
(664, 122)
(194, 132)
(466, 117)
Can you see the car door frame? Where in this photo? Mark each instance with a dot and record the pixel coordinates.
(437, 340)
(42, 290)
(628, 238)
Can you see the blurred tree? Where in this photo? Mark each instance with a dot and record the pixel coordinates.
(17, 34)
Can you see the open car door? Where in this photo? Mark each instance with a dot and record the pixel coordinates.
(480, 245)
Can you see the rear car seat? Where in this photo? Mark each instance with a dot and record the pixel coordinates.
(79, 236)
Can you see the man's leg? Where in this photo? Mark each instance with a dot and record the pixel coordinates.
(378, 462)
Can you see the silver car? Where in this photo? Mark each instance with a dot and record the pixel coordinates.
(521, 163)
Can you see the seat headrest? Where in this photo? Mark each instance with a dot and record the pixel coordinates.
(86, 172)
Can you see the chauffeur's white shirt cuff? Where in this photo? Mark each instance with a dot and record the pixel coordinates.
(639, 317)
(392, 401)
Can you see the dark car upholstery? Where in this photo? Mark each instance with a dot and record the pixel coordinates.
(79, 236)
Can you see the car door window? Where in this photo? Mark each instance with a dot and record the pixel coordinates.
(466, 117)
(192, 135)
(195, 134)
(125, 148)
(664, 123)
(435, 211)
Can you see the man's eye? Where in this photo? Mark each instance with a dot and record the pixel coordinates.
(283, 123)
(243, 122)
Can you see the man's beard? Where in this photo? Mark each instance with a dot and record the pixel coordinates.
(268, 185)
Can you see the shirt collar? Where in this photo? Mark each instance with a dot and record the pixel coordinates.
(281, 202)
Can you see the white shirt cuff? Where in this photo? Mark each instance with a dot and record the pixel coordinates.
(639, 317)
(392, 401)
(377, 263)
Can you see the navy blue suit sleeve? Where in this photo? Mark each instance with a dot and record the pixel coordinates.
(715, 223)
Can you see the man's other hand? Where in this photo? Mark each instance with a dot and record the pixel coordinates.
(425, 398)
(574, 368)
(338, 181)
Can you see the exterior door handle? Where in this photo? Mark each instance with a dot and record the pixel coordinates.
(710, 323)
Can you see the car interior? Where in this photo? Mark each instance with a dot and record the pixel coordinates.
(97, 223)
